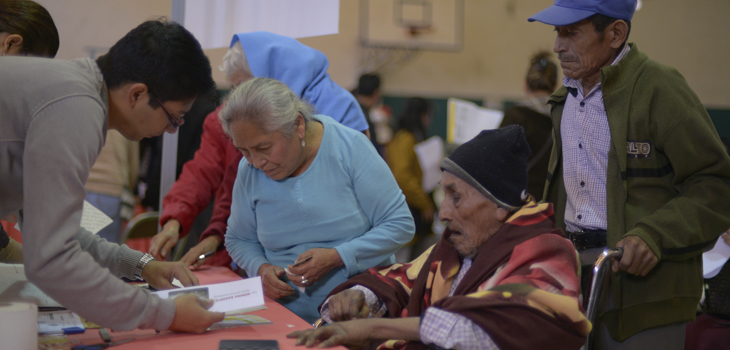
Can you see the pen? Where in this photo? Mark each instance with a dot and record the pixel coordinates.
(206, 255)
(297, 263)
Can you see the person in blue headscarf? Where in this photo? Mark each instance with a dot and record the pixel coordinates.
(213, 170)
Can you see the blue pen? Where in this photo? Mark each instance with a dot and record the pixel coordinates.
(74, 330)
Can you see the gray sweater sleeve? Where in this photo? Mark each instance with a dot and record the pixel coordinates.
(70, 264)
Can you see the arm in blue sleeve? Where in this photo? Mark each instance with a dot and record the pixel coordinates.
(383, 203)
(242, 240)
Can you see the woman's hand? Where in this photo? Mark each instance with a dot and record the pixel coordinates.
(274, 287)
(207, 245)
(163, 242)
(323, 260)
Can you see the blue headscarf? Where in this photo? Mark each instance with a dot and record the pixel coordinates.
(304, 70)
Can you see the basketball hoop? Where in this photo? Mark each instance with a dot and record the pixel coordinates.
(415, 31)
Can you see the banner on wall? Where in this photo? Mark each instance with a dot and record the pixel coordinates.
(214, 22)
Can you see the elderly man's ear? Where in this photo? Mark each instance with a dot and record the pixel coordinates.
(617, 33)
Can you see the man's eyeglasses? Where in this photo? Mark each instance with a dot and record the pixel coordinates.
(175, 122)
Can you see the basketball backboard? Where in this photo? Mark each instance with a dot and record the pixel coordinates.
(412, 24)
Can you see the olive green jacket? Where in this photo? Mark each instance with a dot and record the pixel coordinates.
(668, 182)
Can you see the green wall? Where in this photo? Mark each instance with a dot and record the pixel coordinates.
(440, 107)
(720, 117)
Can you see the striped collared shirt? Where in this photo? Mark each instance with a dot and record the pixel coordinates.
(586, 140)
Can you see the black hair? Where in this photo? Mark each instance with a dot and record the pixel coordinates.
(410, 119)
(367, 84)
(601, 22)
(32, 22)
(542, 74)
(162, 55)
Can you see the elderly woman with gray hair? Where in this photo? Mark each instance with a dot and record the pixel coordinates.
(313, 203)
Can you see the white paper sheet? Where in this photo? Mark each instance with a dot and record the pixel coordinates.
(714, 259)
(214, 22)
(94, 219)
(430, 152)
(51, 322)
(14, 286)
(230, 297)
(465, 120)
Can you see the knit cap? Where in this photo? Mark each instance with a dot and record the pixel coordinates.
(495, 163)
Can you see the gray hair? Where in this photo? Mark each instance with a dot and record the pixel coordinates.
(268, 103)
(235, 60)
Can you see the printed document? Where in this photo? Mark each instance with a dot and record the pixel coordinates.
(230, 297)
(465, 119)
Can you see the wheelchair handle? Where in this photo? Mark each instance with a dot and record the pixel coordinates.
(598, 275)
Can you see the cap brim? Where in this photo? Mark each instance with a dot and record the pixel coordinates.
(560, 16)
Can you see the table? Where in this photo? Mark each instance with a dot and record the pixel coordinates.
(283, 323)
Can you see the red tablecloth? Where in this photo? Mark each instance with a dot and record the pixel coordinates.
(283, 323)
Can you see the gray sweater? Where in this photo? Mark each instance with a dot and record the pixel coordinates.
(53, 120)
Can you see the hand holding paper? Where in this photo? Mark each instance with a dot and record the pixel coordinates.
(192, 315)
(274, 287)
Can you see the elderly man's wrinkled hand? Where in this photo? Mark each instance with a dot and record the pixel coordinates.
(160, 274)
(638, 258)
(349, 304)
(353, 334)
(274, 287)
(163, 242)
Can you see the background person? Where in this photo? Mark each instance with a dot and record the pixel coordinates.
(502, 277)
(368, 95)
(533, 114)
(55, 117)
(403, 162)
(213, 170)
(307, 187)
(637, 164)
(11, 251)
(27, 29)
(111, 181)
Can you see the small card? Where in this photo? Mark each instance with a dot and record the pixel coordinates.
(230, 297)
(238, 321)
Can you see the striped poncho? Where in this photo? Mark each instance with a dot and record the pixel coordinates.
(522, 289)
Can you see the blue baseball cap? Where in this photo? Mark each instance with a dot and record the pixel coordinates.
(565, 12)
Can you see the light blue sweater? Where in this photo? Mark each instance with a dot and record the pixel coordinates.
(347, 199)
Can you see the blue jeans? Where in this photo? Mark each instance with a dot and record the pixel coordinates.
(110, 205)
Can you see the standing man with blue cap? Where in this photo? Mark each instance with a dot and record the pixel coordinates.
(637, 164)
